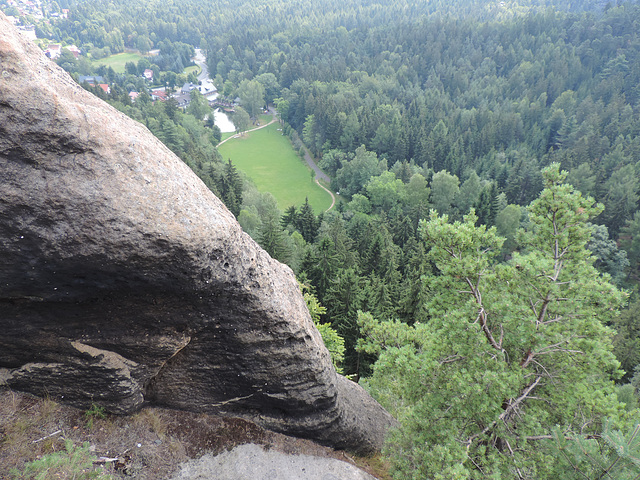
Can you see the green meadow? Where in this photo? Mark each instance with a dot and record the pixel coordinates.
(118, 61)
(268, 158)
(226, 135)
(193, 68)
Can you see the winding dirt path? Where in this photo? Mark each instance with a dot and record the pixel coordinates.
(320, 175)
(273, 119)
(333, 198)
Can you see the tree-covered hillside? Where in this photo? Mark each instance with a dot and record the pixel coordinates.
(477, 293)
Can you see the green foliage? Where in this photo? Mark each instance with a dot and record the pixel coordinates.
(332, 340)
(240, 119)
(621, 196)
(510, 351)
(96, 411)
(251, 93)
(272, 238)
(611, 454)
(74, 462)
(608, 257)
(627, 395)
(229, 185)
(630, 241)
(468, 194)
(507, 223)
(198, 106)
(444, 189)
(334, 343)
(626, 342)
(385, 190)
(354, 174)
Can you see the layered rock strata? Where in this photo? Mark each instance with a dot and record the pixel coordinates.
(125, 281)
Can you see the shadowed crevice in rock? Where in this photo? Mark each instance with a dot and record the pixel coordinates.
(125, 281)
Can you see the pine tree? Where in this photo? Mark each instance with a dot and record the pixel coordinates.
(344, 298)
(486, 205)
(272, 239)
(229, 184)
(511, 351)
(307, 224)
(290, 217)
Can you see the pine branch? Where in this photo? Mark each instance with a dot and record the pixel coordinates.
(510, 407)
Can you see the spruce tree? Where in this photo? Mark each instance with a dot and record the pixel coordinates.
(307, 224)
(290, 217)
(272, 239)
(229, 184)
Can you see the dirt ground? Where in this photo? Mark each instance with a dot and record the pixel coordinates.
(148, 445)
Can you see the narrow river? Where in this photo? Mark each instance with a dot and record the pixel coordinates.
(221, 119)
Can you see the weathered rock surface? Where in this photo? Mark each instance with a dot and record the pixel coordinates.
(253, 462)
(124, 280)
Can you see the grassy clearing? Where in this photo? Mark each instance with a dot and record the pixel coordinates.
(118, 61)
(193, 68)
(265, 118)
(267, 157)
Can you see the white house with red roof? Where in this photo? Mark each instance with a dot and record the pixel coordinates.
(74, 50)
(159, 94)
(53, 51)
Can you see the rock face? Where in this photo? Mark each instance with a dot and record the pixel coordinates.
(124, 280)
(252, 461)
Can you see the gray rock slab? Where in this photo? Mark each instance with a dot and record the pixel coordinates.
(252, 462)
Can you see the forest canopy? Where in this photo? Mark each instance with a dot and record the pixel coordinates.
(487, 157)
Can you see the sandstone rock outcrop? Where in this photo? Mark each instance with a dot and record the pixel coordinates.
(125, 281)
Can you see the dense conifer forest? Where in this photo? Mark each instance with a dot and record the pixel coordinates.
(482, 269)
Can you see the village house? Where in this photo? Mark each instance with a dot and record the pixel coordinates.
(148, 75)
(159, 94)
(183, 99)
(208, 90)
(211, 96)
(74, 50)
(187, 87)
(53, 51)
